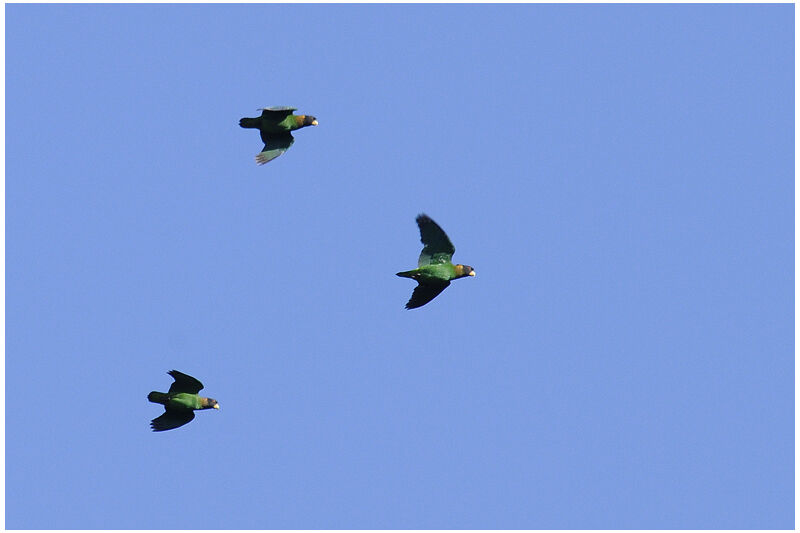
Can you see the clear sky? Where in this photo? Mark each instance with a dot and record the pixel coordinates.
(620, 177)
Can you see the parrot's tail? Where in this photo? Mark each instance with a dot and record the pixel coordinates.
(250, 122)
(158, 397)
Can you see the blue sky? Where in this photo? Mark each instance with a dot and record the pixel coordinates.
(620, 177)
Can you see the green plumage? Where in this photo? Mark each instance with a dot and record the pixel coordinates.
(276, 125)
(435, 269)
(179, 402)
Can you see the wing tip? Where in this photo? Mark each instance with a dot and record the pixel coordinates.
(411, 304)
(278, 108)
(262, 159)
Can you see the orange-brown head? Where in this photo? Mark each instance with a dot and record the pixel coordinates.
(209, 403)
(463, 271)
(305, 120)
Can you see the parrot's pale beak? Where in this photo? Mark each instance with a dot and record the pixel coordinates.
(314, 122)
(216, 406)
(472, 273)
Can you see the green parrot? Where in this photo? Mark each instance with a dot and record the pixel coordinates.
(435, 268)
(180, 402)
(276, 125)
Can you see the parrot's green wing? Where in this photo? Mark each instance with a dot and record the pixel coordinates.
(424, 293)
(438, 248)
(184, 383)
(171, 419)
(274, 145)
(276, 114)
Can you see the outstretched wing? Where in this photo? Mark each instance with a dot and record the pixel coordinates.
(184, 383)
(424, 293)
(274, 145)
(438, 248)
(171, 419)
(276, 114)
